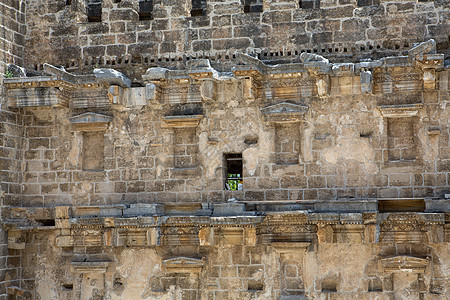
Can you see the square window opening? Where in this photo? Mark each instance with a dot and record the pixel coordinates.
(233, 172)
(145, 10)
(198, 8)
(253, 6)
(309, 4)
(94, 11)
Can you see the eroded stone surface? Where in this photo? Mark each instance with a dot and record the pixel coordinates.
(235, 150)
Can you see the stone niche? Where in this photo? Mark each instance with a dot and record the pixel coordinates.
(91, 127)
(286, 122)
(401, 122)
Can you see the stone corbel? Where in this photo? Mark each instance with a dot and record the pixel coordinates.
(323, 85)
(366, 81)
(404, 263)
(208, 89)
(183, 265)
(284, 113)
(249, 79)
(182, 121)
(429, 79)
(90, 122)
(116, 95)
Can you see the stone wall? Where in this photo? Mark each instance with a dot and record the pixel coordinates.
(301, 135)
(12, 40)
(11, 152)
(273, 176)
(341, 30)
(227, 252)
(13, 30)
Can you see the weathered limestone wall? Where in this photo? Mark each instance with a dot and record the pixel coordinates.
(392, 143)
(12, 40)
(13, 30)
(60, 34)
(90, 254)
(11, 152)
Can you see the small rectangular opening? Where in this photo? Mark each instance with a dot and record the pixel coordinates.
(362, 3)
(309, 4)
(46, 222)
(233, 171)
(401, 205)
(253, 6)
(94, 11)
(198, 8)
(67, 286)
(145, 10)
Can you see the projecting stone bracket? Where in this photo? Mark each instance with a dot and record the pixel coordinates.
(284, 113)
(90, 122)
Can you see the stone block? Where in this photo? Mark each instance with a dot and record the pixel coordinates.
(143, 209)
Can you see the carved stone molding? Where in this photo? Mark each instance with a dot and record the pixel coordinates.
(90, 122)
(294, 247)
(90, 266)
(182, 121)
(400, 111)
(284, 113)
(37, 96)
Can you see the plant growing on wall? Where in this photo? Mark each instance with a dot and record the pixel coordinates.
(9, 74)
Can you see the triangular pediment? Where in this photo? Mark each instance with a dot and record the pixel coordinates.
(284, 112)
(285, 108)
(90, 117)
(183, 264)
(404, 263)
(90, 122)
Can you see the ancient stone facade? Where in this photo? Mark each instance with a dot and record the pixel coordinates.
(224, 149)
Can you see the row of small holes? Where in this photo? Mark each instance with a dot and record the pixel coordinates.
(93, 61)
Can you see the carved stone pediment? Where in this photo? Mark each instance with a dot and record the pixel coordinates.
(183, 265)
(400, 111)
(284, 112)
(404, 263)
(182, 121)
(90, 122)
